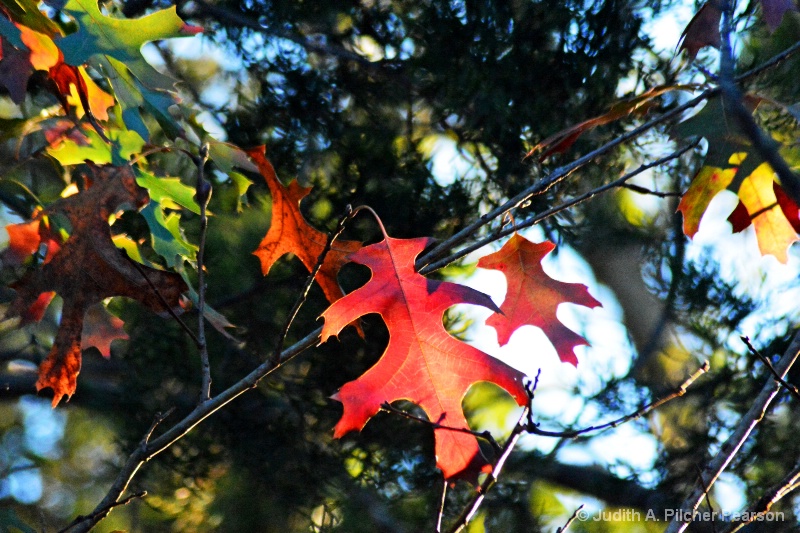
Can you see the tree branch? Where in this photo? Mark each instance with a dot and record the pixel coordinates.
(202, 411)
(739, 435)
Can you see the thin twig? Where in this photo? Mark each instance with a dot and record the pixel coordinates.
(533, 427)
(503, 232)
(332, 236)
(791, 388)
(202, 195)
(571, 520)
(163, 300)
(774, 494)
(440, 512)
(645, 190)
(707, 498)
(139, 456)
(739, 435)
(105, 510)
(160, 417)
(485, 435)
(491, 478)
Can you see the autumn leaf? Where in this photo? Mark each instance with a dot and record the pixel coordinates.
(561, 141)
(88, 268)
(533, 297)
(774, 231)
(422, 363)
(702, 30)
(122, 39)
(289, 232)
(704, 187)
(28, 50)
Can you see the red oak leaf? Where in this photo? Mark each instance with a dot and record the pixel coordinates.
(289, 232)
(533, 296)
(86, 269)
(422, 363)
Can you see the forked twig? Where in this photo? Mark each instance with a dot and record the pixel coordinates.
(533, 427)
(569, 522)
(105, 510)
(791, 388)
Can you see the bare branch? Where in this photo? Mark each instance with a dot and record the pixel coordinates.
(739, 435)
(470, 510)
(680, 391)
(791, 388)
(786, 486)
(202, 411)
(553, 211)
(202, 195)
(571, 520)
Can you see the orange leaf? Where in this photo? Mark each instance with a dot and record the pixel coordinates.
(774, 232)
(702, 30)
(44, 52)
(533, 296)
(87, 269)
(422, 363)
(23, 241)
(289, 232)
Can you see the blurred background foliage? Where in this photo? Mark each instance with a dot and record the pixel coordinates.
(424, 111)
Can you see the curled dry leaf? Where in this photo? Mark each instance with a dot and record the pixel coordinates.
(86, 269)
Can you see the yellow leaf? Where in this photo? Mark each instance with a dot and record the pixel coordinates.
(773, 230)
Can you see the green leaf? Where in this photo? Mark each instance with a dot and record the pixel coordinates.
(227, 156)
(125, 144)
(242, 183)
(168, 191)
(27, 13)
(131, 247)
(121, 39)
(133, 96)
(724, 138)
(167, 237)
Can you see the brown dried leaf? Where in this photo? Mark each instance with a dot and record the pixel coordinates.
(87, 269)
